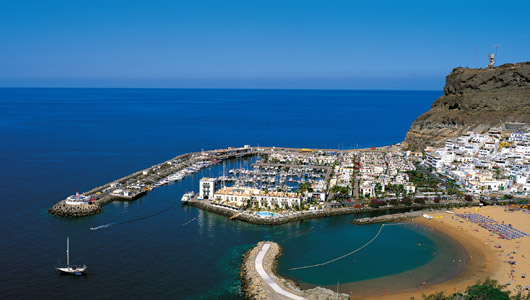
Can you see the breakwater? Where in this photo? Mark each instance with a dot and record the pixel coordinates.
(254, 286)
(61, 209)
(137, 184)
(388, 218)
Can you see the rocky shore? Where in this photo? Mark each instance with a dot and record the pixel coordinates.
(62, 209)
(255, 288)
(388, 218)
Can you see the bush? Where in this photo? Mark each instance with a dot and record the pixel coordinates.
(436, 200)
(468, 198)
(486, 292)
(406, 201)
(394, 202)
(419, 201)
(374, 203)
(490, 289)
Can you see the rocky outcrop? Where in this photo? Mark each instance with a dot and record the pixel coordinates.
(61, 209)
(387, 218)
(474, 99)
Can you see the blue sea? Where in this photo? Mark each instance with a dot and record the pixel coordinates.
(57, 141)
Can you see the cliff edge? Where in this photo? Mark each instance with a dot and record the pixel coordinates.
(474, 99)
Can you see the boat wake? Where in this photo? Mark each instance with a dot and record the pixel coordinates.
(132, 220)
(102, 226)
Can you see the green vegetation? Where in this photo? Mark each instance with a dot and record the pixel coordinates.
(305, 187)
(423, 179)
(397, 189)
(499, 173)
(378, 189)
(490, 289)
(340, 192)
(419, 201)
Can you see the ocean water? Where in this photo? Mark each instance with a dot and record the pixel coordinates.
(55, 141)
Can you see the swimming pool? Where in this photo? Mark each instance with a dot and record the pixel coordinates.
(266, 214)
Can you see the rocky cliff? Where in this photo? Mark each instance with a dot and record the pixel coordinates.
(474, 99)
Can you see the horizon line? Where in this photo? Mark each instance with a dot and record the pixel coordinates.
(209, 88)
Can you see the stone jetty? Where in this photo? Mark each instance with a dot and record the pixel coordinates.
(255, 287)
(62, 209)
(388, 218)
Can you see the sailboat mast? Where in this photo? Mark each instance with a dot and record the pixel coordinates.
(67, 251)
(337, 288)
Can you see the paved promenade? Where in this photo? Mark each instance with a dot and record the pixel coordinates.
(266, 278)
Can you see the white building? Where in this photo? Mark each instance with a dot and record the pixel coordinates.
(207, 188)
(243, 196)
(517, 136)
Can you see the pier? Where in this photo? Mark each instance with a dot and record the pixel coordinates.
(136, 185)
(260, 280)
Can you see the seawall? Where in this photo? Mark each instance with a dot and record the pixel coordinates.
(388, 218)
(298, 216)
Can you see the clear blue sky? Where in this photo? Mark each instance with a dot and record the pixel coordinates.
(254, 43)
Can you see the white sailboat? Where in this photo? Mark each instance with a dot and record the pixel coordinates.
(71, 269)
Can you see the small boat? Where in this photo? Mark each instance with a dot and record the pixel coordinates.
(187, 197)
(71, 269)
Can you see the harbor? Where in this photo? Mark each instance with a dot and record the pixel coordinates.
(136, 185)
(279, 185)
(144, 233)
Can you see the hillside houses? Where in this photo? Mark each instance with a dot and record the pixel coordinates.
(484, 163)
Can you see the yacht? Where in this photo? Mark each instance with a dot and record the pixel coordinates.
(187, 197)
(71, 269)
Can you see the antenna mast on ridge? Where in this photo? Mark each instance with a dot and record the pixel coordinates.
(496, 48)
(475, 61)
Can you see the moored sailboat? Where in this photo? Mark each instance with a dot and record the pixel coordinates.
(71, 269)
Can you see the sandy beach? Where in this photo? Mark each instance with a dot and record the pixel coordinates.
(486, 258)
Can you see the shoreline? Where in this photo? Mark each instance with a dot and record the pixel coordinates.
(485, 260)
(482, 259)
(386, 215)
(481, 264)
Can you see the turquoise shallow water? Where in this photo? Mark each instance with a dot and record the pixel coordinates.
(400, 258)
(55, 141)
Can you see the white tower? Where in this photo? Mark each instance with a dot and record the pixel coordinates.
(206, 188)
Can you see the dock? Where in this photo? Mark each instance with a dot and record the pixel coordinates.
(137, 184)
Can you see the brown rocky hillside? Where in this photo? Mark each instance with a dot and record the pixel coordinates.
(474, 99)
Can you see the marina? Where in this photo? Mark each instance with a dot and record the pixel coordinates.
(278, 184)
